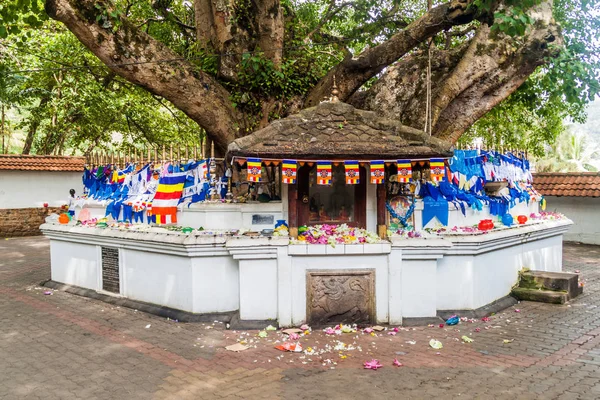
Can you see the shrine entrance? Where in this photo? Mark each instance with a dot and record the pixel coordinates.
(337, 203)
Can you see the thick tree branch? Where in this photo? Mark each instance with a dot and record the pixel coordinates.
(469, 80)
(133, 55)
(270, 30)
(493, 67)
(353, 72)
(205, 34)
(329, 13)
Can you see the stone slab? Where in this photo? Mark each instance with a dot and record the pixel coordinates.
(543, 296)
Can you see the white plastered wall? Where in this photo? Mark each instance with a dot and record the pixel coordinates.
(31, 189)
(585, 214)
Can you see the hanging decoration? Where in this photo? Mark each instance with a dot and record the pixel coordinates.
(404, 171)
(352, 172)
(168, 193)
(288, 171)
(437, 168)
(435, 208)
(323, 172)
(377, 172)
(254, 169)
(404, 220)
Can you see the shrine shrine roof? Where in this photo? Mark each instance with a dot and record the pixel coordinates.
(18, 162)
(336, 130)
(573, 184)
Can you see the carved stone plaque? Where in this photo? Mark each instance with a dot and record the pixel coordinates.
(336, 296)
(110, 270)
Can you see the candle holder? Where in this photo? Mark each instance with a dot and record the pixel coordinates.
(213, 180)
(229, 195)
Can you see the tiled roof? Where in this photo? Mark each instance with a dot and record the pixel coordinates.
(338, 131)
(17, 162)
(575, 184)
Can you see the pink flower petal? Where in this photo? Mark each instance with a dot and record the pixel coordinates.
(373, 364)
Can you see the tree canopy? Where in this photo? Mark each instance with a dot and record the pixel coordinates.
(169, 70)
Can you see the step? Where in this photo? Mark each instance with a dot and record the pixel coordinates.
(555, 281)
(543, 296)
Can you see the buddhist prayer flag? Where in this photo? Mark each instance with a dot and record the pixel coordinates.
(377, 171)
(404, 171)
(323, 172)
(117, 177)
(288, 171)
(437, 168)
(352, 172)
(254, 169)
(168, 193)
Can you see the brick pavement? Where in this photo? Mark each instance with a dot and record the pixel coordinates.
(64, 346)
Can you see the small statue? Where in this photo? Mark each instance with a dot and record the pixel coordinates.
(343, 216)
(322, 214)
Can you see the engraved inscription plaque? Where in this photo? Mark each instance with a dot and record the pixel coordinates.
(110, 269)
(263, 219)
(346, 296)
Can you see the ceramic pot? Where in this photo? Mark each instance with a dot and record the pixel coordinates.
(485, 225)
(507, 219)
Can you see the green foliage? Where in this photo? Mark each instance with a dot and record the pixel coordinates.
(74, 110)
(17, 15)
(571, 152)
(533, 117)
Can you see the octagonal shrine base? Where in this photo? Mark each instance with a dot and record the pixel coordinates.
(267, 278)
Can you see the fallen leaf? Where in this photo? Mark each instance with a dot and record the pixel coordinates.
(436, 344)
(291, 330)
(467, 339)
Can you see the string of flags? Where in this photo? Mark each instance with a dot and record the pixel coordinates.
(404, 171)
(254, 169)
(377, 172)
(289, 171)
(323, 172)
(438, 169)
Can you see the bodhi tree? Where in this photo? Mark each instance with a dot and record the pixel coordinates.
(234, 65)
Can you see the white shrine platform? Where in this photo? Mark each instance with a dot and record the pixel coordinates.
(265, 278)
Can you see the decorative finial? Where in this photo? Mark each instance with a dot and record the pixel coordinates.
(334, 92)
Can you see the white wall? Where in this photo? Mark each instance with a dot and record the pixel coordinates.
(585, 214)
(75, 264)
(31, 189)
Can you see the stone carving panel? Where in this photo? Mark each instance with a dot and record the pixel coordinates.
(340, 297)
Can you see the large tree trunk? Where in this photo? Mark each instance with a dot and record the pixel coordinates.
(140, 59)
(467, 83)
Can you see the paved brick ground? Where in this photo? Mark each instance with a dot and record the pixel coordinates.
(64, 346)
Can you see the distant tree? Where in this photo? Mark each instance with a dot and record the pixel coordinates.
(572, 152)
